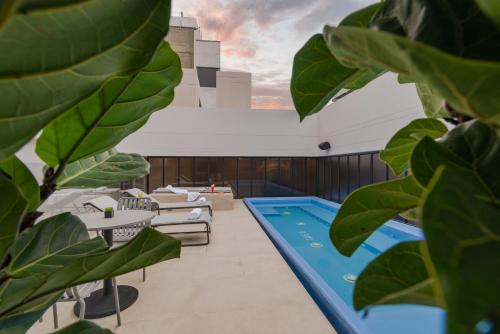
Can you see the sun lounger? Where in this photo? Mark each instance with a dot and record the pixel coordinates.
(181, 219)
(134, 192)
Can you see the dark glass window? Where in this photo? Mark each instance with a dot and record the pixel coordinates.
(379, 169)
(335, 179)
(207, 76)
(343, 178)
(285, 176)
(201, 171)
(364, 169)
(259, 177)
(299, 176)
(230, 174)
(156, 173)
(272, 173)
(216, 174)
(245, 177)
(312, 176)
(186, 170)
(327, 179)
(170, 171)
(353, 173)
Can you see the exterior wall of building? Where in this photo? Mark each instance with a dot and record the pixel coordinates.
(365, 120)
(208, 97)
(234, 90)
(207, 53)
(182, 41)
(187, 93)
(224, 132)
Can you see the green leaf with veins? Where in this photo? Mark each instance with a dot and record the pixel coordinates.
(13, 206)
(429, 21)
(471, 145)
(119, 107)
(469, 86)
(490, 8)
(317, 76)
(56, 254)
(59, 52)
(104, 169)
(460, 218)
(433, 104)
(398, 151)
(83, 327)
(368, 208)
(25, 181)
(397, 276)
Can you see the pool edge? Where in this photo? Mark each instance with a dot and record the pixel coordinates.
(341, 317)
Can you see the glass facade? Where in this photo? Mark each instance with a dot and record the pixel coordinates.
(330, 177)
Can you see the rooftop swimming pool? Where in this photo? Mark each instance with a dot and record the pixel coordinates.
(299, 228)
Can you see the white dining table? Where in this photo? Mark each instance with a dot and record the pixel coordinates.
(101, 303)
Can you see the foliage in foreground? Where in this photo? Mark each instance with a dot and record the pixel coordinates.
(86, 74)
(451, 51)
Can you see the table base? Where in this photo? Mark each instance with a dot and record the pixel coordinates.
(98, 305)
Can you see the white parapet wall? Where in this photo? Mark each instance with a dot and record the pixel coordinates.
(234, 89)
(224, 132)
(366, 119)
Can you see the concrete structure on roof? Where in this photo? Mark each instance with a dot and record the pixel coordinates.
(204, 85)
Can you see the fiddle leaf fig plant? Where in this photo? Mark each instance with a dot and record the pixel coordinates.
(450, 50)
(83, 75)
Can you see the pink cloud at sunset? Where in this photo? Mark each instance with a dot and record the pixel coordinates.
(262, 36)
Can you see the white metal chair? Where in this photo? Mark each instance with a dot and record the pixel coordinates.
(79, 293)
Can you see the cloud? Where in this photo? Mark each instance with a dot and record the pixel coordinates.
(230, 22)
(271, 97)
(327, 12)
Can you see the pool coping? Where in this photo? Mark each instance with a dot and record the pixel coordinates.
(338, 313)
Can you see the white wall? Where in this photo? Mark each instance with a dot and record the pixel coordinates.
(207, 53)
(366, 119)
(224, 132)
(187, 93)
(234, 89)
(208, 97)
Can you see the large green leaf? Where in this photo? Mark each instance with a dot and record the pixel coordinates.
(460, 220)
(56, 254)
(12, 208)
(369, 207)
(491, 8)
(104, 169)
(317, 76)
(429, 21)
(54, 54)
(433, 104)
(471, 145)
(398, 151)
(22, 177)
(121, 106)
(83, 327)
(398, 276)
(469, 86)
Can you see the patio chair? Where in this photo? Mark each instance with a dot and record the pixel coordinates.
(78, 294)
(123, 234)
(126, 233)
(181, 219)
(134, 192)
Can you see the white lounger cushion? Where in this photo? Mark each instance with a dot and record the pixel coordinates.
(103, 202)
(178, 218)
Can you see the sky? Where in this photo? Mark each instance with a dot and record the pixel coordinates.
(262, 36)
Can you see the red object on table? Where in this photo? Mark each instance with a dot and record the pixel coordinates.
(212, 188)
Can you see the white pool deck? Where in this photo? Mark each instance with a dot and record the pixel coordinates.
(237, 284)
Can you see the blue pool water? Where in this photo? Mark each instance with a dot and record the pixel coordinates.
(299, 227)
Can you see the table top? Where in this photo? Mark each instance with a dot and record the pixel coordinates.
(96, 221)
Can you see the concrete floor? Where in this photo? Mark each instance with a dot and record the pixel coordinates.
(237, 284)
